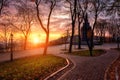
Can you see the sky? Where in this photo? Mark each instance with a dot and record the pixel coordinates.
(58, 23)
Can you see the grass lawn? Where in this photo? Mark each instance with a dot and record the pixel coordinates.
(96, 52)
(31, 68)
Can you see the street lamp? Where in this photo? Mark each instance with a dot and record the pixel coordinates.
(11, 47)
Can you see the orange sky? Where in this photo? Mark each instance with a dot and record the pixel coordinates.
(41, 37)
(58, 23)
(37, 37)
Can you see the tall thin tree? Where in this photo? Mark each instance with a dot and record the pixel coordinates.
(45, 28)
(25, 16)
(81, 10)
(96, 6)
(73, 6)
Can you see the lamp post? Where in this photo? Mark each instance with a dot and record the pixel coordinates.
(11, 47)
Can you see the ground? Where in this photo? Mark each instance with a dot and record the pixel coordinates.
(113, 72)
(85, 68)
(90, 68)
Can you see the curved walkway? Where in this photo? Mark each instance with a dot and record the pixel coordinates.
(89, 68)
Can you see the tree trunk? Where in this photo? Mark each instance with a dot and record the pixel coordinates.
(11, 48)
(46, 44)
(91, 44)
(6, 45)
(73, 16)
(118, 43)
(65, 45)
(101, 37)
(91, 51)
(71, 38)
(79, 37)
(25, 43)
(92, 37)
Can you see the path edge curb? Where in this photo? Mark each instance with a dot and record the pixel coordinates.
(105, 75)
(54, 73)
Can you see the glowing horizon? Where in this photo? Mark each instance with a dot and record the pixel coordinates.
(40, 38)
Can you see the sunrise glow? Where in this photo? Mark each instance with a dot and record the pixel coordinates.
(35, 38)
(36, 41)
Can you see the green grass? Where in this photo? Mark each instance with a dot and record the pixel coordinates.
(97, 52)
(31, 68)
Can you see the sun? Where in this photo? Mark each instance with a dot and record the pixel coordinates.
(36, 40)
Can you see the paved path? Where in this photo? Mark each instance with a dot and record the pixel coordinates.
(89, 68)
(51, 50)
(20, 54)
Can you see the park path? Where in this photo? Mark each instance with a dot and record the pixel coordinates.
(51, 50)
(89, 68)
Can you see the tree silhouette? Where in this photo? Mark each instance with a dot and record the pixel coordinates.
(81, 10)
(112, 9)
(25, 16)
(45, 28)
(73, 7)
(95, 7)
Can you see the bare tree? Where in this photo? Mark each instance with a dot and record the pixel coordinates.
(26, 17)
(5, 30)
(116, 30)
(101, 29)
(118, 33)
(65, 37)
(95, 7)
(114, 9)
(81, 11)
(47, 27)
(73, 9)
